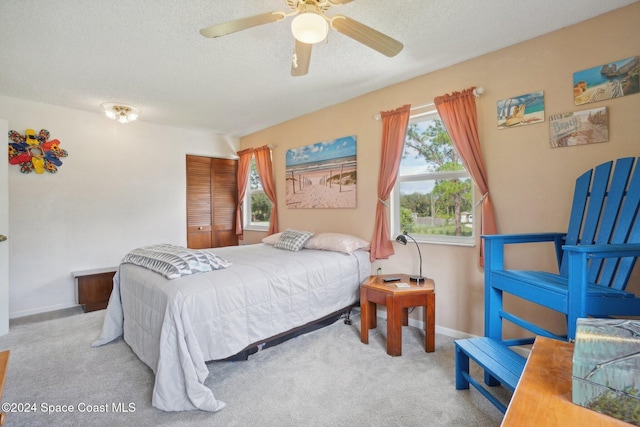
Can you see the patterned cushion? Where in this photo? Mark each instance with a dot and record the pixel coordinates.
(293, 240)
(174, 261)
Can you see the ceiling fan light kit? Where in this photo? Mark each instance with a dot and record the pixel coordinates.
(311, 26)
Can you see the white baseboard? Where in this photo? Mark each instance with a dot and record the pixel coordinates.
(40, 310)
(382, 314)
(439, 329)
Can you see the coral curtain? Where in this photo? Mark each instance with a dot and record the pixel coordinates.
(244, 163)
(265, 171)
(460, 118)
(394, 130)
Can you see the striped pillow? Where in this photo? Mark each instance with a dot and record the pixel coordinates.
(292, 240)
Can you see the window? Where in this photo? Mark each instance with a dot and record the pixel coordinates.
(433, 197)
(257, 206)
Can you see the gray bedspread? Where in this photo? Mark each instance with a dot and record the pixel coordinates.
(175, 326)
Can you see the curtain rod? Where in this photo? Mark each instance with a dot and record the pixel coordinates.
(476, 92)
(420, 107)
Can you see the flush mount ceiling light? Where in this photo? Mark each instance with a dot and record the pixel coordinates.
(121, 112)
(309, 28)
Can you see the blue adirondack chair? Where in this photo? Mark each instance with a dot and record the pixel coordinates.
(595, 257)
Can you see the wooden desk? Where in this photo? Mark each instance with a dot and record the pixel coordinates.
(397, 300)
(543, 395)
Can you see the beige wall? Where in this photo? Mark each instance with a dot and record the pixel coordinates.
(531, 183)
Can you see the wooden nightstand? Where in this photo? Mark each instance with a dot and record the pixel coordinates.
(94, 287)
(397, 300)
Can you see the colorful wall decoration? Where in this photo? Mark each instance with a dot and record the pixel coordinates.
(521, 110)
(579, 127)
(322, 175)
(607, 81)
(35, 152)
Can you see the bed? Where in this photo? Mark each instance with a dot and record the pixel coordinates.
(176, 325)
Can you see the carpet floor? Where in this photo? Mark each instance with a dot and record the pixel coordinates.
(324, 378)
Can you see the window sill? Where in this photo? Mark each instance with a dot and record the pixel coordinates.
(463, 242)
(255, 228)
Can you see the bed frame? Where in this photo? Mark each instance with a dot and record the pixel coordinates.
(344, 313)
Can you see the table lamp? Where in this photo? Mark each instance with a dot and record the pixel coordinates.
(402, 239)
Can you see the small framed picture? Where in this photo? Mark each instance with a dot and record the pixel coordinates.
(579, 127)
(521, 110)
(606, 81)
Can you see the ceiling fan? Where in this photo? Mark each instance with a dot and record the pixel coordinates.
(311, 26)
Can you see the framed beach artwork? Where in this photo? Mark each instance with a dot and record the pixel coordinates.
(521, 110)
(322, 175)
(579, 127)
(606, 81)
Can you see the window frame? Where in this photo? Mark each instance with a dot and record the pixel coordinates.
(394, 205)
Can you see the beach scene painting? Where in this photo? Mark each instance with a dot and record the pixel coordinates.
(322, 175)
(606, 81)
(579, 127)
(521, 110)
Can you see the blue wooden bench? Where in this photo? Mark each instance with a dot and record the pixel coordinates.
(502, 365)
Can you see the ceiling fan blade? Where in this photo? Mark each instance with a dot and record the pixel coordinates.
(301, 59)
(241, 24)
(337, 2)
(366, 35)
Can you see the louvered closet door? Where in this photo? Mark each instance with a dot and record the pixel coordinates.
(211, 201)
(199, 208)
(225, 196)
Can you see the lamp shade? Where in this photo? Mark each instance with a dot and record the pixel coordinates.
(309, 28)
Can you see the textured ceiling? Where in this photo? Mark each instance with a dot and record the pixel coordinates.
(148, 53)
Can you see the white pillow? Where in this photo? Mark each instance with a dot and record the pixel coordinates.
(271, 239)
(336, 242)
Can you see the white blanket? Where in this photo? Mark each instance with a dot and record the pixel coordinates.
(174, 326)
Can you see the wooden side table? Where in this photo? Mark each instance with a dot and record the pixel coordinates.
(543, 395)
(397, 300)
(94, 287)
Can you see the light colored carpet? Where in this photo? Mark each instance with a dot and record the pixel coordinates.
(325, 378)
